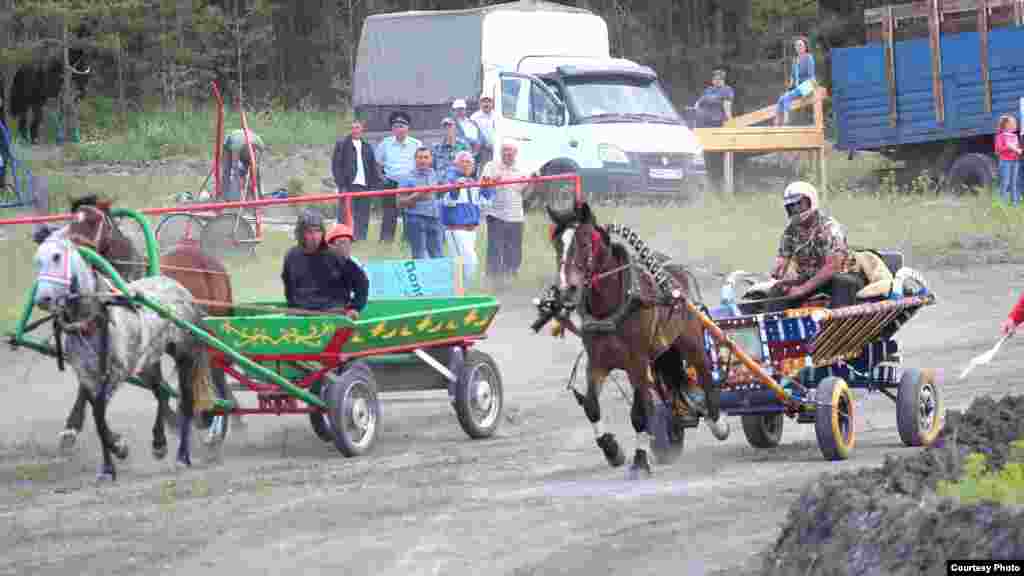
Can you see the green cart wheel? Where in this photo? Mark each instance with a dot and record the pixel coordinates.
(353, 408)
(478, 395)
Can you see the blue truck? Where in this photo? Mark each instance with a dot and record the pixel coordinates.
(933, 102)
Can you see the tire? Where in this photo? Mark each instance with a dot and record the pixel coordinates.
(833, 420)
(763, 430)
(222, 239)
(353, 407)
(478, 395)
(320, 421)
(918, 408)
(667, 439)
(174, 228)
(969, 171)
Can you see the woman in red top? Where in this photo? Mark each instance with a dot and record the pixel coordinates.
(1008, 150)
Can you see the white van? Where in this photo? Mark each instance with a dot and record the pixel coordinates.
(558, 93)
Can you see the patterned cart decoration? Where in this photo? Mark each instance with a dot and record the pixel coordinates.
(803, 349)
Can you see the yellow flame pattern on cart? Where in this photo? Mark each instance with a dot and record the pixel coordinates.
(317, 335)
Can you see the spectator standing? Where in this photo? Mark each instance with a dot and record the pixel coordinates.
(1008, 150)
(396, 156)
(460, 214)
(714, 107)
(444, 151)
(466, 128)
(355, 170)
(801, 83)
(422, 224)
(485, 120)
(505, 215)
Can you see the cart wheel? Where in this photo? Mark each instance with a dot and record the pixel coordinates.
(918, 407)
(763, 430)
(353, 408)
(478, 395)
(667, 438)
(321, 421)
(176, 228)
(833, 420)
(229, 235)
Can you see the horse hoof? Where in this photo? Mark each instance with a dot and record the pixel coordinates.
(106, 475)
(121, 448)
(640, 468)
(159, 452)
(66, 440)
(612, 453)
(719, 428)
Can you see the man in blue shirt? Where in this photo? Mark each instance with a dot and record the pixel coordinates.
(396, 156)
(422, 224)
(714, 106)
(451, 144)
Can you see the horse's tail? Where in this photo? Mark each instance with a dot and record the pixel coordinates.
(202, 383)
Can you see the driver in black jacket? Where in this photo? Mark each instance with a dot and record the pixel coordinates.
(316, 278)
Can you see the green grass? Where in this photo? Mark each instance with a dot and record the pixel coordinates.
(980, 483)
(189, 131)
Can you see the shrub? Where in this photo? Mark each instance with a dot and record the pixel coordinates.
(980, 483)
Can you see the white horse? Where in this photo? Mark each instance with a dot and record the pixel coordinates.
(108, 340)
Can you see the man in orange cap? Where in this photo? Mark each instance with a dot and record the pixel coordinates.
(339, 240)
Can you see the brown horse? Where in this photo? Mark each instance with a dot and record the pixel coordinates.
(629, 325)
(202, 275)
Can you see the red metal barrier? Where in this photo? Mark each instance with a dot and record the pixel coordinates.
(311, 199)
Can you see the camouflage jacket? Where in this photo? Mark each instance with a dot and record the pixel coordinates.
(808, 246)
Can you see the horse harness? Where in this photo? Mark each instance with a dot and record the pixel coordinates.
(635, 295)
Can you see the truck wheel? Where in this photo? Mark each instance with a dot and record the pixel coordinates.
(353, 408)
(970, 171)
(478, 395)
(918, 407)
(833, 420)
(763, 430)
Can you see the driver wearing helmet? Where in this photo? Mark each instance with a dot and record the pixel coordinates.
(316, 278)
(813, 255)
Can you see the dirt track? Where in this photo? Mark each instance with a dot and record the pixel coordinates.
(538, 499)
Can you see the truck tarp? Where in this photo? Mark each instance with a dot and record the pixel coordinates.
(455, 55)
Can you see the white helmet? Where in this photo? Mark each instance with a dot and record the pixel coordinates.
(796, 192)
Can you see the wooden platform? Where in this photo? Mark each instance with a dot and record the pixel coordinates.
(740, 134)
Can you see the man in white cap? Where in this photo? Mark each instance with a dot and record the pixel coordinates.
(813, 255)
(484, 118)
(467, 128)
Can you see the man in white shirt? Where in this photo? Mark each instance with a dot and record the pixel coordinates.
(505, 216)
(484, 118)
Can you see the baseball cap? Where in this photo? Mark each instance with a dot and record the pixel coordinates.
(459, 103)
(447, 121)
(339, 230)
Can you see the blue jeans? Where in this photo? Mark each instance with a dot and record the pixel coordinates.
(787, 98)
(1009, 181)
(425, 236)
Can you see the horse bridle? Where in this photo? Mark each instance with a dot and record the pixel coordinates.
(103, 221)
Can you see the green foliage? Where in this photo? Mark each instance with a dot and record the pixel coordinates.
(152, 135)
(979, 483)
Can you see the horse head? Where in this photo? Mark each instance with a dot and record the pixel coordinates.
(62, 275)
(581, 246)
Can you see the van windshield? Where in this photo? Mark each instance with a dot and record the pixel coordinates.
(619, 100)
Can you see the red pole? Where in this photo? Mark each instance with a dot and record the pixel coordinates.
(219, 144)
(311, 199)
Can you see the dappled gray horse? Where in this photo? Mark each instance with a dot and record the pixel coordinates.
(108, 340)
